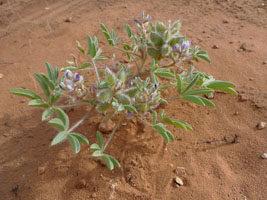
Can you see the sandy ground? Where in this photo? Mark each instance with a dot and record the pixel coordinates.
(34, 31)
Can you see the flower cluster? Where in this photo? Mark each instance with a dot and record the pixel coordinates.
(74, 83)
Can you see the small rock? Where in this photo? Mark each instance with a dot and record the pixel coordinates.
(1, 76)
(264, 156)
(178, 181)
(134, 163)
(238, 50)
(81, 184)
(243, 46)
(22, 101)
(180, 171)
(264, 62)
(242, 97)
(5, 134)
(215, 46)
(41, 170)
(261, 125)
(68, 19)
(250, 79)
(225, 22)
(107, 127)
(93, 195)
(170, 165)
(236, 113)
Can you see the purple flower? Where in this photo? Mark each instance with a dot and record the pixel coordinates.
(185, 45)
(136, 21)
(76, 77)
(131, 84)
(62, 86)
(68, 74)
(129, 114)
(69, 84)
(156, 86)
(148, 17)
(175, 48)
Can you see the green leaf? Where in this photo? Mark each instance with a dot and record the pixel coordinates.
(128, 30)
(24, 92)
(63, 117)
(131, 92)
(207, 102)
(100, 140)
(130, 108)
(108, 162)
(95, 147)
(179, 83)
(114, 161)
(97, 153)
(152, 66)
(154, 117)
(47, 113)
(110, 77)
(91, 47)
(54, 98)
(74, 143)
(50, 71)
(85, 65)
(191, 84)
(56, 73)
(161, 129)
(103, 106)
(61, 136)
(48, 82)
(165, 74)
(204, 57)
(153, 52)
(200, 91)
(104, 95)
(56, 122)
(156, 39)
(71, 68)
(218, 85)
(201, 52)
(38, 103)
(80, 137)
(155, 80)
(194, 99)
(99, 58)
(98, 53)
(229, 90)
(123, 98)
(104, 28)
(43, 85)
(170, 135)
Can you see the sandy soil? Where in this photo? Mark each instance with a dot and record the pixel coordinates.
(34, 31)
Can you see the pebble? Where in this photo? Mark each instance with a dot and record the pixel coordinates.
(107, 127)
(68, 19)
(251, 79)
(41, 170)
(178, 181)
(81, 184)
(261, 125)
(264, 156)
(215, 46)
(264, 62)
(180, 171)
(1, 76)
(225, 22)
(243, 46)
(236, 113)
(93, 195)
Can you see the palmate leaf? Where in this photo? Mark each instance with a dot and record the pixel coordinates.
(43, 85)
(128, 30)
(63, 117)
(38, 103)
(95, 147)
(175, 122)
(50, 71)
(161, 129)
(80, 137)
(191, 84)
(200, 91)
(56, 122)
(74, 143)
(24, 92)
(108, 161)
(164, 72)
(100, 140)
(154, 116)
(47, 113)
(130, 108)
(61, 136)
(199, 100)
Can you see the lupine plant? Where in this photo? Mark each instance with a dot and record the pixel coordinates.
(154, 54)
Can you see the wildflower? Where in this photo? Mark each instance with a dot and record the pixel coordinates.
(76, 77)
(68, 74)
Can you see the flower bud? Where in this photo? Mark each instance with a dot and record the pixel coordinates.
(68, 74)
(185, 45)
(62, 86)
(136, 21)
(76, 77)
(148, 17)
(69, 84)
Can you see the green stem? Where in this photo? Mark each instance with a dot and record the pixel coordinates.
(113, 132)
(97, 75)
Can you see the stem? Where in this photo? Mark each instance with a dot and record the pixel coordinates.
(113, 132)
(97, 75)
(125, 51)
(144, 121)
(78, 123)
(70, 105)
